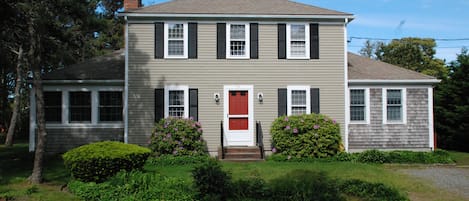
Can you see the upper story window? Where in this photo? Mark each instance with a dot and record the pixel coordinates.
(53, 106)
(298, 100)
(177, 101)
(176, 42)
(237, 43)
(298, 41)
(359, 106)
(80, 106)
(394, 104)
(110, 106)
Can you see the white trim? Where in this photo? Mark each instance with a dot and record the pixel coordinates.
(184, 88)
(32, 120)
(403, 104)
(308, 97)
(365, 81)
(83, 81)
(349, 17)
(185, 40)
(367, 106)
(248, 139)
(247, 39)
(431, 134)
(126, 85)
(204, 21)
(307, 41)
(346, 90)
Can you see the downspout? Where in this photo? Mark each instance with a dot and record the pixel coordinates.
(346, 91)
(126, 86)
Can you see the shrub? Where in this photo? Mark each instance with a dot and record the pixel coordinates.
(179, 137)
(211, 182)
(134, 186)
(371, 191)
(439, 156)
(305, 185)
(308, 135)
(98, 161)
(170, 160)
(253, 188)
(372, 156)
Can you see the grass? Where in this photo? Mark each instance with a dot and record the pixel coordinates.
(16, 166)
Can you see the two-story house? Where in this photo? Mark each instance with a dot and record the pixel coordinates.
(236, 65)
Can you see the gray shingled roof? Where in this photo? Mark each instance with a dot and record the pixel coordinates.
(107, 67)
(362, 68)
(237, 7)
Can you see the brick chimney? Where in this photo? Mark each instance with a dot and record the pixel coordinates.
(132, 4)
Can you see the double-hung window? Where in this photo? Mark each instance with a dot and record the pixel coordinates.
(394, 104)
(177, 101)
(298, 41)
(53, 106)
(176, 42)
(110, 106)
(80, 106)
(359, 109)
(298, 100)
(237, 43)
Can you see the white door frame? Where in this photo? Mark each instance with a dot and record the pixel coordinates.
(236, 137)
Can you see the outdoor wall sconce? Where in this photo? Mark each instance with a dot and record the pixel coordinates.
(216, 97)
(260, 96)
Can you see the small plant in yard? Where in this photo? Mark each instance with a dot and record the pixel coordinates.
(178, 137)
(308, 135)
(211, 182)
(371, 191)
(98, 161)
(170, 160)
(372, 156)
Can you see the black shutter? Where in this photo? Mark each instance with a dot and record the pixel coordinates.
(194, 104)
(159, 104)
(159, 40)
(314, 41)
(221, 40)
(254, 37)
(282, 102)
(192, 41)
(282, 41)
(315, 100)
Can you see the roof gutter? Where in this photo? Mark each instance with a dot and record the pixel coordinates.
(428, 81)
(349, 17)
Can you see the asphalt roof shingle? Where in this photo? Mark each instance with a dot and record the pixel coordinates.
(237, 7)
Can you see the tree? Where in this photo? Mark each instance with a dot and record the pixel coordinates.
(416, 54)
(370, 49)
(452, 106)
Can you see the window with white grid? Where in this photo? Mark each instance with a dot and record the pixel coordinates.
(238, 40)
(177, 101)
(176, 40)
(110, 106)
(298, 100)
(357, 105)
(298, 41)
(394, 104)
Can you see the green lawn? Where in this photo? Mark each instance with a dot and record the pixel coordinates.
(16, 166)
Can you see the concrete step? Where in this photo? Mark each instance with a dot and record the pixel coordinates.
(241, 154)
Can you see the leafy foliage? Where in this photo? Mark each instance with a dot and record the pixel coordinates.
(211, 182)
(452, 106)
(178, 137)
(170, 160)
(308, 135)
(127, 186)
(371, 191)
(98, 161)
(372, 156)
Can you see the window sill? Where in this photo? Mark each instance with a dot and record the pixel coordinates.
(298, 58)
(395, 122)
(86, 125)
(238, 58)
(359, 122)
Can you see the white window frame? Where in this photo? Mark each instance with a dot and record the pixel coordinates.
(247, 39)
(185, 38)
(184, 88)
(403, 108)
(289, 99)
(367, 106)
(307, 41)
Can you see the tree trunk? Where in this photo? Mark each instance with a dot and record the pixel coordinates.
(16, 102)
(35, 62)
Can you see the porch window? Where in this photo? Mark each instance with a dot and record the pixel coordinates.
(80, 106)
(110, 106)
(238, 40)
(394, 104)
(357, 105)
(53, 106)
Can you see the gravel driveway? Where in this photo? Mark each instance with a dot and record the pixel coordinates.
(452, 179)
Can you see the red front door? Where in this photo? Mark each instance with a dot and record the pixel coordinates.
(238, 114)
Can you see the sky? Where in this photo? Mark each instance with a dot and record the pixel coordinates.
(393, 19)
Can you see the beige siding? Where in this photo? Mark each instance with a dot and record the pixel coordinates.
(209, 75)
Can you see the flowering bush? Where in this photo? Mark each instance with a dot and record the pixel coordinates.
(178, 137)
(308, 135)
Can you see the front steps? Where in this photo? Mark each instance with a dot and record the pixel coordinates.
(241, 154)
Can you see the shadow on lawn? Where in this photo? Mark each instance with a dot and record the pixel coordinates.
(17, 163)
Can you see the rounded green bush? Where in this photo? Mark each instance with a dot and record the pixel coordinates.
(373, 156)
(178, 137)
(98, 161)
(308, 135)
